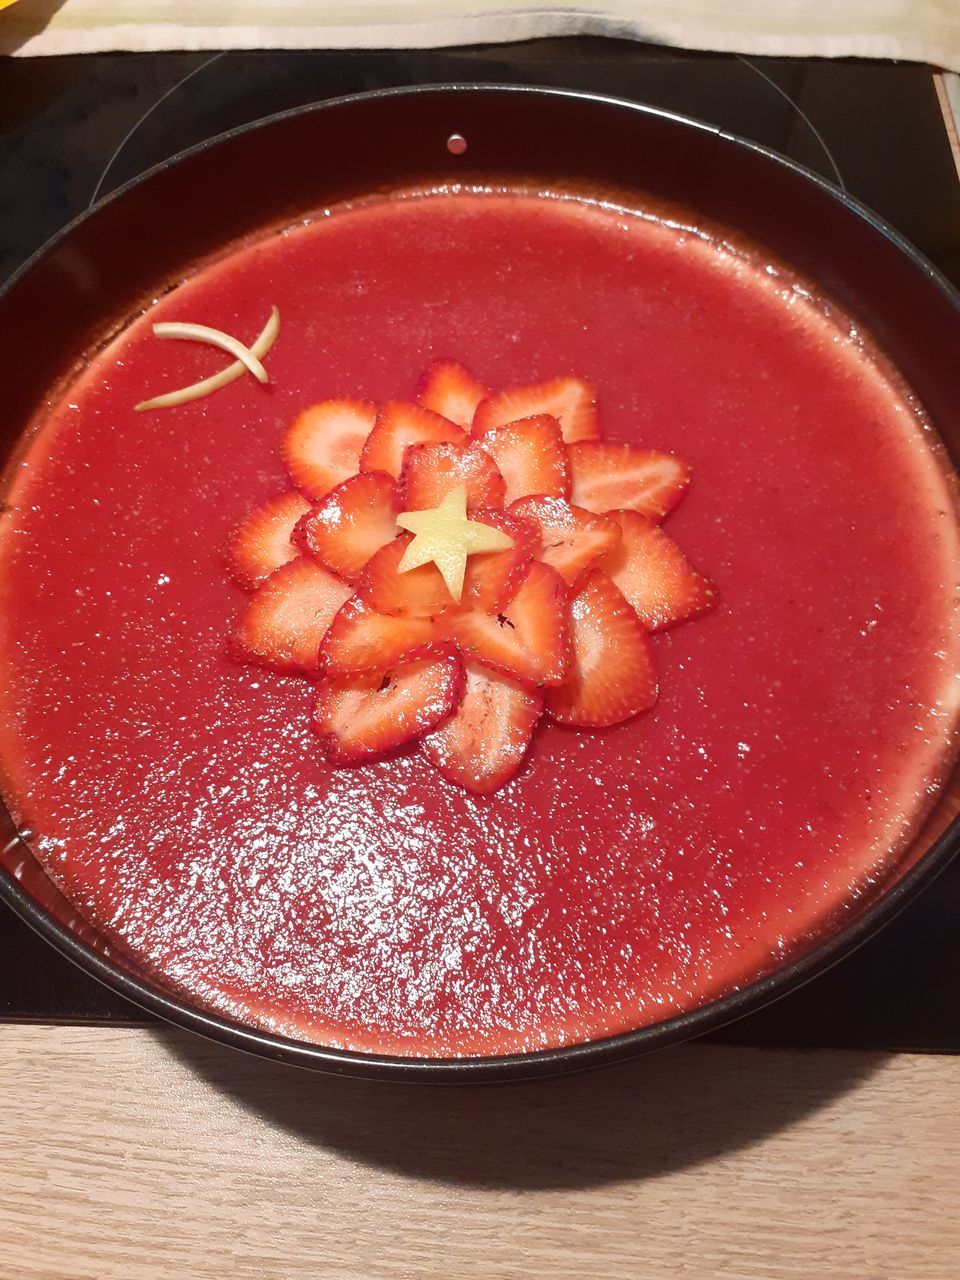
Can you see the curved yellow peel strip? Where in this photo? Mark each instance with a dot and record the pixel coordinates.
(257, 350)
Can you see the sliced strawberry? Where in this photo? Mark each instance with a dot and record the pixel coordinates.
(430, 471)
(529, 640)
(448, 388)
(283, 624)
(572, 539)
(654, 575)
(492, 577)
(531, 456)
(614, 675)
(353, 521)
(572, 401)
(400, 425)
(262, 542)
(361, 641)
(322, 448)
(374, 714)
(417, 593)
(484, 742)
(608, 477)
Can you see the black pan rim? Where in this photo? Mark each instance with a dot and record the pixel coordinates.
(538, 1063)
(870, 216)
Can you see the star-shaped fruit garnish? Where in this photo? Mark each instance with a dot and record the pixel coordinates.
(445, 537)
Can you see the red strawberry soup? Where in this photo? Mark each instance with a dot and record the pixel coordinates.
(274, 844)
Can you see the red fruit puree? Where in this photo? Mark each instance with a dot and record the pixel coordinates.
(181, 800)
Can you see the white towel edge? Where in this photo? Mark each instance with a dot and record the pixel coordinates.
(477, 29)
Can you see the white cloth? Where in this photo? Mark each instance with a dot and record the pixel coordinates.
(916, 30)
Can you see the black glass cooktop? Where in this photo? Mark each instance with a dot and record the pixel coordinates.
(73, 128)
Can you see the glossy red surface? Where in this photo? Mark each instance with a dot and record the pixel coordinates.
(181, 801)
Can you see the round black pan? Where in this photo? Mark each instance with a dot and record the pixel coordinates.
(70, 295)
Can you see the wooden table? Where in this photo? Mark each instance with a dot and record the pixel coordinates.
(149, 1154)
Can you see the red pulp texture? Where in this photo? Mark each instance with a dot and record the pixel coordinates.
(181, 801)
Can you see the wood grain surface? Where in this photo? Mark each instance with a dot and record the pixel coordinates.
(947, 85)
(146, 1155)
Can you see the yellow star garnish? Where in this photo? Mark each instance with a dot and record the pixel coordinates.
(446, 537)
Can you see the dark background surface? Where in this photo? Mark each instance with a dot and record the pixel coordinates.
(874, 128)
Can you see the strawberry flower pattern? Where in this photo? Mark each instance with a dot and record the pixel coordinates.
(557, 625)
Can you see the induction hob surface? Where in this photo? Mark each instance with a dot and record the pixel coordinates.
(74, 128)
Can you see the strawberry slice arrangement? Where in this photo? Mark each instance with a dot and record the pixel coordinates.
(453, 569)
